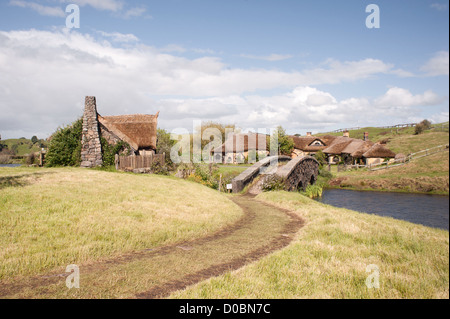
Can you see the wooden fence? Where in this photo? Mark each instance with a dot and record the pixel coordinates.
(358, 128)
(132, 162)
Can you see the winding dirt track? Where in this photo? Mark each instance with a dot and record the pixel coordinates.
(156, 273)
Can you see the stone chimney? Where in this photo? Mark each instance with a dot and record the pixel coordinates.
(308, 133)
(366, 136)
(91, 148)
(346, 134)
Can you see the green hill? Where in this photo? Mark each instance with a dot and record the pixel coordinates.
(23, 146)
(425, 175)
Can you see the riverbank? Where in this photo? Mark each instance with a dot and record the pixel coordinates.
(427, 175)
(333, 256)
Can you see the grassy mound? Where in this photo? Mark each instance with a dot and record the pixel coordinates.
(55, 217)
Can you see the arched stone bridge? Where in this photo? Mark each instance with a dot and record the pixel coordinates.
(296, 174)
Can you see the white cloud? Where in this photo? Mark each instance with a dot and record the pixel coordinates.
(437, 65)
(135, 12)
(272, 57)
(439, 6)
(46, 75)
(399, 97)
(107, 5)
(41, 9)
(119, 37)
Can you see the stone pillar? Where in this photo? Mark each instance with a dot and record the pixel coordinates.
(91, 149)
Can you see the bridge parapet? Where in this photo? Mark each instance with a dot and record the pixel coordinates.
(243, 179)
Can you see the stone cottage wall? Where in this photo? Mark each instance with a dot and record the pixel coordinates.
(91, 149)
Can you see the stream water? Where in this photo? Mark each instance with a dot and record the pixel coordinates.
(428, 210)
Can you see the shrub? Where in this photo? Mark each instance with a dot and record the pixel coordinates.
(65, 146)
(313, 191)
(422, 126)
(273, 183)
(30, 159)
(109, 151)
(160, 169)
(325, 173)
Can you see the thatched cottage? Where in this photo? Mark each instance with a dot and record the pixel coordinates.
(138, 130)
(342, 148)
(238, 147)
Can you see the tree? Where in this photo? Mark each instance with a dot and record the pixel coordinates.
(34, 139)
(321, 158)
(164, 144)
(285, 143)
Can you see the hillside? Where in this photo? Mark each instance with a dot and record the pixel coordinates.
(425, 175)
(23, 146)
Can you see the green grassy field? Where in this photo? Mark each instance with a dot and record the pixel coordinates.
(330, 257)
(55, 217)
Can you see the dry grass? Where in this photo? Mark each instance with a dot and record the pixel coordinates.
(330, 255)
(51, 218)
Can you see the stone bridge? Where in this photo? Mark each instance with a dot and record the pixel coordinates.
(296, 174)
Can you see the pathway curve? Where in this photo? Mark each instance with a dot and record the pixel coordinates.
(158, 272)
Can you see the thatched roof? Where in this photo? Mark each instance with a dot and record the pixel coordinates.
(337, 147)
(379, 151)
(303, 143)
(364, 147)
(138, 130)
(243, 143)
(357, 148)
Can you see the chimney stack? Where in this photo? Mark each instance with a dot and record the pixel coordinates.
(308, 133)
(91, 148)
(366, 136)
(346, 134)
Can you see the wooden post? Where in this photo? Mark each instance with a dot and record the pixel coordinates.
(220, 182)
(116, 161)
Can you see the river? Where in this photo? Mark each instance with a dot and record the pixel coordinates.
(428, 210)
(10, 165)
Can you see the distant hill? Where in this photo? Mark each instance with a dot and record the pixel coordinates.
(22, 146)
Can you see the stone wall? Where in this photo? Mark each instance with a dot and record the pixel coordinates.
(91, 149)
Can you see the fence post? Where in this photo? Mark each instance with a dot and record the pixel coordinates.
(116, 161)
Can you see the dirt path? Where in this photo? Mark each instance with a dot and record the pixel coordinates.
(159, 272)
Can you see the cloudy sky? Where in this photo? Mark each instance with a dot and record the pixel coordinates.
(306, 65)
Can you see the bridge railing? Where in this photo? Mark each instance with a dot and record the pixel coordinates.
(247, 176)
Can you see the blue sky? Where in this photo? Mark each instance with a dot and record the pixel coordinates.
(305, 65)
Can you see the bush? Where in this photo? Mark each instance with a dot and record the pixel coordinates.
(30, 159)
(65, 146)
(109, 151)
(273, 183)
(160, 169)
(325, 173)
(422, 126)
(313, 191)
